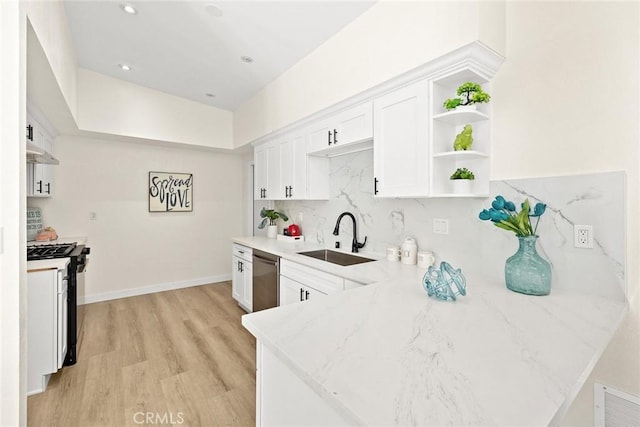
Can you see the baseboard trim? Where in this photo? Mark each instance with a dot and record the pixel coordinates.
(124, 293)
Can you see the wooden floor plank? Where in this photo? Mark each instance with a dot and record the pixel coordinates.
(175, 357)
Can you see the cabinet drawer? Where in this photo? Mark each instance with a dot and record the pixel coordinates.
(242, 252)
(316, 279)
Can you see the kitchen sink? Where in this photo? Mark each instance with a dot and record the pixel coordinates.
(335, 257)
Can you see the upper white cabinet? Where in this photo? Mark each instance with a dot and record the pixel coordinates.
(39, 176)
(345, 132)
(267, 171)
(283, 171)
(401, 152)
(405, 122)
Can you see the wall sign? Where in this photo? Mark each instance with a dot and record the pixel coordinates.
(170, 192)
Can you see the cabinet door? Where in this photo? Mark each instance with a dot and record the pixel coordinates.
(401, 150)
(293, 167)
(354, 125)
(273, 171)
(259, 172)
(319, 136)
(247, 283)
(237, 282)
(42, 320)
(292, 291)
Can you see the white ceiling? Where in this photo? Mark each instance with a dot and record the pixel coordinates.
(180, 48)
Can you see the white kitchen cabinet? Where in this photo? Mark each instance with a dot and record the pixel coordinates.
(300, 283)
(293, 167)
(283, 399)
(348, 131)
(283, 171)
(267, 171)
(292, 291)
(46, 326)
(242, 276)
(401, 146)
(39, 176)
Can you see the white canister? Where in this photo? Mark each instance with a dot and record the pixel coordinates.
(409, 251)
(426, 259)
(393, 253)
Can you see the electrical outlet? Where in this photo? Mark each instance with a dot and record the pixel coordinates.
(93, 216)
(583, 236)
(440, 226)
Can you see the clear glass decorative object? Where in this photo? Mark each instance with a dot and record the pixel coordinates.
(527, 272)
(445, 283)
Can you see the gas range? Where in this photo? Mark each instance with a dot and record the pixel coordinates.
(50, 251)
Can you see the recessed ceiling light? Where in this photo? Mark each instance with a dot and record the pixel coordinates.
(246, 59)
(124, 67)
(213, 10)
(128, 8)
(210, 95)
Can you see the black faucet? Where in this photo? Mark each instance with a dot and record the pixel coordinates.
(354, 244)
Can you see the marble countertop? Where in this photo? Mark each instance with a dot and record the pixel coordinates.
(387, 354)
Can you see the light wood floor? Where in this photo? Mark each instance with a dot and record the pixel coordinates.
(179, 355)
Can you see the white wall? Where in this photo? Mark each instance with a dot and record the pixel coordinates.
(388, 39)
(130, 247)
(49, 22)
(564, 102)
(12, 220)
(115, 107)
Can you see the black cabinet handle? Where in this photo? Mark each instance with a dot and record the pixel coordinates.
(40, 187)
(30, 133)
(335, 136)
(287, 191)
(241, 267)
(48, 188)
(306, 295)
(301, 294)
(375, 185)
(329, 133)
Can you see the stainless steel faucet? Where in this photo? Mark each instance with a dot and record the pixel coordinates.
(354, 244)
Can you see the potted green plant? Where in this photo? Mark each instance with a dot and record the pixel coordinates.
(461, 180)
(271, 216)
(469, 93)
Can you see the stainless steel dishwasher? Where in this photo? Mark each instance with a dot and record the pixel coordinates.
(266, 287)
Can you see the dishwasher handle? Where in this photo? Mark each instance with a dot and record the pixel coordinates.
(257, 258)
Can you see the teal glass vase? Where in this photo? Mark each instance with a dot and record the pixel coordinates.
(527, 272)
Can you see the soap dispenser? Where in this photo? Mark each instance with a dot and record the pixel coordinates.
(409, 251)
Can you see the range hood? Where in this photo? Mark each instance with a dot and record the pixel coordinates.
(36, 154)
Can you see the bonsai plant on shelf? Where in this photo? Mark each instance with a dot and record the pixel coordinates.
(272, 216)
(461, 180)
(469, 93)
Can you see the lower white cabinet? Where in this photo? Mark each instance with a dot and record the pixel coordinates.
(46, 326)
(242, 277)
(292, 291)
(301, 283)
(283, 399)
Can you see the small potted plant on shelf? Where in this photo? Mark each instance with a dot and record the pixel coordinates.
(461, 180)
(464, 139)
(271, 216)
(469, 93)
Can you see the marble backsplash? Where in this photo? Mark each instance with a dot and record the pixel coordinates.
(477, 246)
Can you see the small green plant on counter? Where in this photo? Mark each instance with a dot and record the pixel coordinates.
(470, 93)
(462, 173)
(271, 216)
